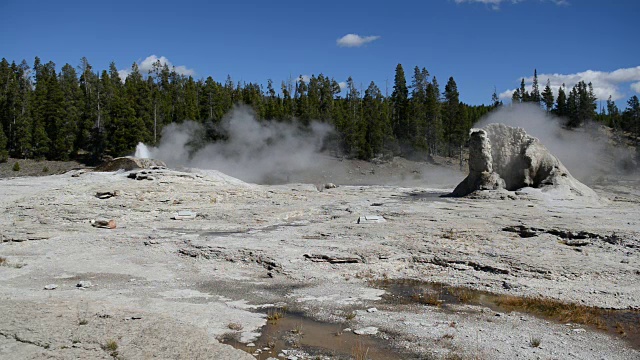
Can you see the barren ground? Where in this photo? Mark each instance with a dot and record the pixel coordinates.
(168, 288)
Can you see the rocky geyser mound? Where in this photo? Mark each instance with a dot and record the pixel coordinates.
(504, 157)
(128, 163)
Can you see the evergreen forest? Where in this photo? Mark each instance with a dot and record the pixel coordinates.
(78, 112)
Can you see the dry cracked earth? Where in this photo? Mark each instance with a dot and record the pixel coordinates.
(354, 271)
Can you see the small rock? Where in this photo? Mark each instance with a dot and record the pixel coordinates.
(372, 310)
(369, 330)
(251, 345)
(292, 357)
(51, 287)
(104, 223)
(579, 330)
(371, 219)
(84, 284)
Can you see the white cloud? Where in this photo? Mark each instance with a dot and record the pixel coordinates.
(495, 4)
(605, 84)
(343, 85)
(304, 78)
(354, 40)
(123, 74)
(147, 64)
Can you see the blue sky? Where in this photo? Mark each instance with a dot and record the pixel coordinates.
(481, 43)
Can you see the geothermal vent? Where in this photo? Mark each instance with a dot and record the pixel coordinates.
(129, 163)
(503, 157)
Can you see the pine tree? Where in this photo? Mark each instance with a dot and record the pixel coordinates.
(632, 118)
(581, 104)
(41, 143)
(452, 117)
(302, 111)
(374, 122)
(613, 114)
(4, 153)
(72, 107)
(273, 107)
(350, 123)
(22, 120)
(535, 89)
(287, 102)
(561, 103)
(495, 100)
(400, 106)
(138, 92)
(547, 96)
(433, 117)
(417, 107)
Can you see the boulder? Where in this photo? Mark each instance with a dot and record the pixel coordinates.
(504, 157)
(129, 163)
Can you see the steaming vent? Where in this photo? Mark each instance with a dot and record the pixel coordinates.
(142, 151)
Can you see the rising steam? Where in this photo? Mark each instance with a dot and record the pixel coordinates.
(254, 151)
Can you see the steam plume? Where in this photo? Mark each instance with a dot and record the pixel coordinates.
(253, 151)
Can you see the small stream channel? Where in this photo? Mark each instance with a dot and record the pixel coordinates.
(294, 331)
(624, 324)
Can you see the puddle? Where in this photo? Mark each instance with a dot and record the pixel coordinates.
(294, 331)
(624, 324)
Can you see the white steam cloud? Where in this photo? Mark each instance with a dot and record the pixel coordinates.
(587, 152)
(354, 40)
(254, 151)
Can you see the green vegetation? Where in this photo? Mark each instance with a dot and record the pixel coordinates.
(273, 315)
(554, 309)
(57, 115)
(16, 166)
(535, 342)
(110, 345)
(60, 115)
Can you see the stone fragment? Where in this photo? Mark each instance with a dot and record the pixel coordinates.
(104, 223)
(369, 330)
(84, 284)
(51, 287)
(185, 215)
(107, 194)
(371, 219)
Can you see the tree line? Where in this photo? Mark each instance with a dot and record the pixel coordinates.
(579, 106)
(80, 112)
